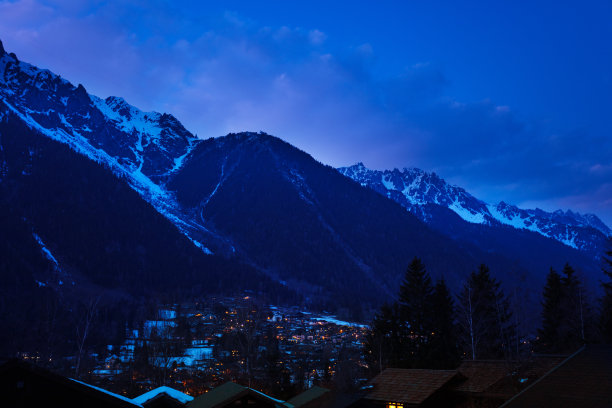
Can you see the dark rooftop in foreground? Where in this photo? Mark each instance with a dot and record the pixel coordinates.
(307, 397)
(583, 380)
(409, 386)
(230, 394)
(26, 385)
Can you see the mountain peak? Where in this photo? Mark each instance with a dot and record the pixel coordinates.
(357, 166)
(255, 138)
(116, 100)
(247, 134)
(80, 90)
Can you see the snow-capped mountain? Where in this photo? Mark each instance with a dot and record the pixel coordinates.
(147, 145)
(144, 147)
(83, 203)
(415, 189)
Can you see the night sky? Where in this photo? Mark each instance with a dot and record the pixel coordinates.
(510, 100)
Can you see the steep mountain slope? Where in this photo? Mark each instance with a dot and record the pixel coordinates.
(91, 225)
(142, 147)
(414, 188)
(72, 231)
(304, 223)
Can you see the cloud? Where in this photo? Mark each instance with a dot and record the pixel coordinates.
(316, 37)
(221, 72)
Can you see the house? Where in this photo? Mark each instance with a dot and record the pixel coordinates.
(163, 397)
(582, 380)
(233, 395)
(25, 385)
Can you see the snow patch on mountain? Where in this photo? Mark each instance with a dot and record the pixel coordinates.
(179, 161)
(467, 214)
(128, 118)
(386, 181)
(46, 251)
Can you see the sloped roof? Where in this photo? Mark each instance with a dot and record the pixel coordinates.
(408, 386)
(39, 386)
(582, 380)
(502, 377)
(226, 393)
(481, 375)
(171, 392)
(306, 397)
(103, 391)
(218, 395)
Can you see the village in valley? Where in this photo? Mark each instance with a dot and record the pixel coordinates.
(195, 347)
(236, 351)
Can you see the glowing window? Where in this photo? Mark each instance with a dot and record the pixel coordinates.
(395, 405)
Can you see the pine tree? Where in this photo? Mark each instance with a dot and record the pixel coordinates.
(415, 306)
(552, 313)
(485, 318)
(574, 311)
(415, 297)
(418, 330)
(605, 318)
(382, 347)
(444, 353)
(567, 320)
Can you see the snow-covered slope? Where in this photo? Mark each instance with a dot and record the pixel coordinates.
(571, 228)
(144, 147)
(415, 189)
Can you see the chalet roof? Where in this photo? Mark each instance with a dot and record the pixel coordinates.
(218, 395)
(33, 385)
(501, 377)
(408, 386)
(481, 375)
(226, 393)
(170, 392)
(541, 364)
(583, 380)
(306, 397)
(93, 388)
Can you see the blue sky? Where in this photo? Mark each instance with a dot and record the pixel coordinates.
(510, 99)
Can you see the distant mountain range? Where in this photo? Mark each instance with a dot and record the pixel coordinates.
(112, 197)
(414, 189)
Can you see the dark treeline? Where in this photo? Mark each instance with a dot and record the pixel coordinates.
(605, 316)
(429, 339)
(429, 328)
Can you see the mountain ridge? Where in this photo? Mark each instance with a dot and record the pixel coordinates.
(413, 188)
